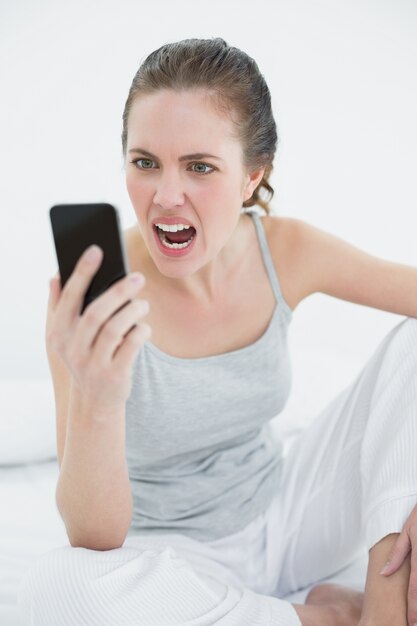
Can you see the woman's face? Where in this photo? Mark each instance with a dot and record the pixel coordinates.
(163, 181)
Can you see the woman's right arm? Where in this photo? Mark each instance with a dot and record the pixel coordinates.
(91, 358)
(93, 492)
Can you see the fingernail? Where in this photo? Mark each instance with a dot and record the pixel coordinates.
(385, 568)
(93, 253)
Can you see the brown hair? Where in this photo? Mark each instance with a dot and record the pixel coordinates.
(238, 87)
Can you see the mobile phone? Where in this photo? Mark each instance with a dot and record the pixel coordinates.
(75, 227)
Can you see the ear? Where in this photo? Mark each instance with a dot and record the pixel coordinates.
(252, 182)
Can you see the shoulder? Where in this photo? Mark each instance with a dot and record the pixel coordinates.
(291, 243)
(312, 260)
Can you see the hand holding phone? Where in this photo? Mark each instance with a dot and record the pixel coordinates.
(100, 345)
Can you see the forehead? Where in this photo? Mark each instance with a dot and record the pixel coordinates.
(188, 115)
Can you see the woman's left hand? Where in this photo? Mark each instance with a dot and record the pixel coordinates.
(406, 542)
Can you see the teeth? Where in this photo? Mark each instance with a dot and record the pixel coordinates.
(176, 246)
(173, 228)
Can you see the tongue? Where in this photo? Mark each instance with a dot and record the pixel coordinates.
(180, 236)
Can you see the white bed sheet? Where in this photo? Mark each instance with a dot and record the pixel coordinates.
(30, 525)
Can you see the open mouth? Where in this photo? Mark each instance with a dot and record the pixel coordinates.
(176, 240)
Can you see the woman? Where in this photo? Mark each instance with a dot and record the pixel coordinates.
(179, 506)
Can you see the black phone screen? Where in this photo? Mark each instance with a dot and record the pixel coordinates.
(75, 227)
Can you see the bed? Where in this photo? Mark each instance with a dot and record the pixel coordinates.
(29, 520)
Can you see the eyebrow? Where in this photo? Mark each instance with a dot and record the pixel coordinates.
(186, 157)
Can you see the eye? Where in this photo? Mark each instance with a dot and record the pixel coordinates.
(149, 161)
(204, 165)
(136, 161)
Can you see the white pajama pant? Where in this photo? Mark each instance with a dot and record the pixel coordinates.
(349, 480)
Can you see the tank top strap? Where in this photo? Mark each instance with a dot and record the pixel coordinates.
(273, 277)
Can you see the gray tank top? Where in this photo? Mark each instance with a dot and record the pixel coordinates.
(201, 455)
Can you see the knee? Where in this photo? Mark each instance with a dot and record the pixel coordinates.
(403, 343)
(409, 325)
(43, 568)
(44, 584)
(70, 586)
(60, 585)
(408, 339)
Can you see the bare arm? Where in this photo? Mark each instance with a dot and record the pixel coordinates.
(91, 357)
(93, 493)
(330, 265)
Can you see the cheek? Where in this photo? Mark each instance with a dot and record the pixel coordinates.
(130, 185)
(137, 190)
(215, 194)
(132, 180)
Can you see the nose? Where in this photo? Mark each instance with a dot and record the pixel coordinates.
(169, 191)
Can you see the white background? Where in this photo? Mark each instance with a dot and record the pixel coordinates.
(342, 75)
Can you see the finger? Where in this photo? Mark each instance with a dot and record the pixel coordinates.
(113, 333)
(77, 284)
(128, 350)
(397, 554)
(101, 310)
